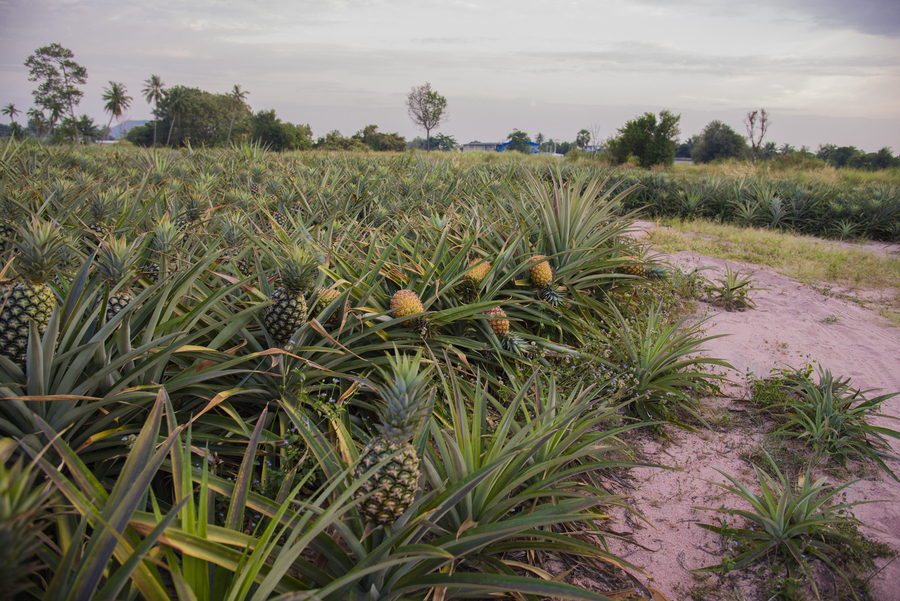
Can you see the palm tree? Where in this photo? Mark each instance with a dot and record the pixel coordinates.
(11, 110)
(38, 121)
(117, 101)
(176, 98)
(237, 96)
(153, 92)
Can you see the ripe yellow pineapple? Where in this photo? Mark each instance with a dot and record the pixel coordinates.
(478, 269)
(405, 406)
(510, 341)
(498, 322)
(634, 266)
(541, 273)
(326, 296)
(406, 302)
(542, 278)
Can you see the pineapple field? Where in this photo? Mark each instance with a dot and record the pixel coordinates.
(235, 374)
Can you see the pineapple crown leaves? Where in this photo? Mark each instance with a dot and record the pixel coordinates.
(165, 235)
(115, 259)
(297, 267)
(39, 244)
(407, 396)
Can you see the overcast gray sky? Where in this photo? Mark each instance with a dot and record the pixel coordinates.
(828, 71)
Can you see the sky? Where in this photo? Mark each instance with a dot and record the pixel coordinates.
(826, 71)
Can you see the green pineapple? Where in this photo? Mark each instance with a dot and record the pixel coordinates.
(99, 211)
(297, 272)
(634, 266)
(189, 219)
(115, 264)
(30, 298)
(165, 241)
(406, 403)
(233, 239)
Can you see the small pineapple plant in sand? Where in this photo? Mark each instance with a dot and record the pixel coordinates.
(406, 400)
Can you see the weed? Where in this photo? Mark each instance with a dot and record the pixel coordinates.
(831, 319)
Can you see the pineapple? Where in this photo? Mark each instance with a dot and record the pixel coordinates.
(233, 238)
(510, 341)
(541, 273)
(30, 298)
(297, 272)
(634, 266)
(99, 211)
(498, 322)
(542, 277)
(190, 218)
(406, 405)
(326, 296)
(115, 265)
(165, 239)
(478, 269)
(406, 302)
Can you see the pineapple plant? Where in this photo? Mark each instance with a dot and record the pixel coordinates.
(297, 270)
(406, 302)
(115, 265)
(29, 298)
(406, 400)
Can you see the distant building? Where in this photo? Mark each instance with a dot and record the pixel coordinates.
(482, 146)
(496, 146)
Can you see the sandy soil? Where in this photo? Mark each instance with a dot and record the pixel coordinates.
(792, 325)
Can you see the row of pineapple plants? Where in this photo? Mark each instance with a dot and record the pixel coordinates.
(223, 302)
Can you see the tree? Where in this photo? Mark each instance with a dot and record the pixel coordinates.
(11, 110)
(519, 140)
(117, 101)
(334, 140)
(426, 108)
(82, 128)
(757, 123)
(59, 76)
(595, 134)
(380, 142)
(37, 122)
(268, 129)
(238, 97)
(718, 141)
(539, 139)
(583, 139)
(652, 142)
(175, 102)
(685, 148)
(153, 93)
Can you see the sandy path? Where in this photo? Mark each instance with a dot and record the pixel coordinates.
(788, 325)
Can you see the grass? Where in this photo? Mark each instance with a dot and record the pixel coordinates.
(805, 258)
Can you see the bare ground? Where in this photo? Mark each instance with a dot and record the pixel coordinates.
(793, 324)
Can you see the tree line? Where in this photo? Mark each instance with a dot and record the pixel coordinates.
(185, 115)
